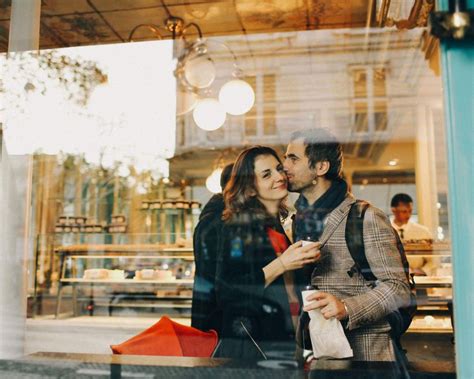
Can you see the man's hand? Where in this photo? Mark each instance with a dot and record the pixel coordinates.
(330, 305)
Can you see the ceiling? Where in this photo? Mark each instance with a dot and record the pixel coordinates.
(88, 22)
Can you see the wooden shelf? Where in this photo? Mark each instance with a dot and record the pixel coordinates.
(438, 324)
(433, 282)
(127, 281)
(434, 248)
(186, 257)
(145, 305)
(115, 248)
(427, 254)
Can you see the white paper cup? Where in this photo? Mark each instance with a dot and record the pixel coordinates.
(305, 294)
(305, 242)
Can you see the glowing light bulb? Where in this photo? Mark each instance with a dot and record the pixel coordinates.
(237, 97)
(209, 114)
(213, 182)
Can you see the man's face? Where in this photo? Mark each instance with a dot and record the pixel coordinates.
(402, 212)
(296, 165)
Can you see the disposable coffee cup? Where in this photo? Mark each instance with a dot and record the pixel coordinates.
(305, 294)
(307, 241)
(308, 290)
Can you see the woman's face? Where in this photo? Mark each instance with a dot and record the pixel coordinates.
(270, 179)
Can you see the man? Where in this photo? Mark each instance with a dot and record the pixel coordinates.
(313, 163)
(206, 242)
(402, 208)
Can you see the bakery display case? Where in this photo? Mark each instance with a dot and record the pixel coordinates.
(140, 260)
(158, 277)
(430, 265)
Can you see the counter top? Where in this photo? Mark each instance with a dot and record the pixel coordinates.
(115, 365)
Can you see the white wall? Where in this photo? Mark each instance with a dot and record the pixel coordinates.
(15, 181)
(13, 170)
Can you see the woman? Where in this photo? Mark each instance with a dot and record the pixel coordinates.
(254, 279)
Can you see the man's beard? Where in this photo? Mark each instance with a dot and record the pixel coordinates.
(298, 187)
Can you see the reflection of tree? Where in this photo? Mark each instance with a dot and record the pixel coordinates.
(29, 71)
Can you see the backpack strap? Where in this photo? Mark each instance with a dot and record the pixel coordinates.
(355, 240)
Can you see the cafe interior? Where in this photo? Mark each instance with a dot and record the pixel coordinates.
(129, 111)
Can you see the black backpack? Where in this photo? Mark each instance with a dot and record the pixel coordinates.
(401, 318)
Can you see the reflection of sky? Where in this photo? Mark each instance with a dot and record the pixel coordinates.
(131, 119)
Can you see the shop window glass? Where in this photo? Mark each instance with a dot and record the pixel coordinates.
(116, 203)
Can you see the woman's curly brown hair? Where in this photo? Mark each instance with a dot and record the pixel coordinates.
(239, 192)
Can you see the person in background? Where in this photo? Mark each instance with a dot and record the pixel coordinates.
(206, 244)
(313, 164)
(402, 208)
(257, 268)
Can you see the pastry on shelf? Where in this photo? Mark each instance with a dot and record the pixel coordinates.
(62, 220)
(168, 204)
(164, 275)
(96, 273)
(155, 205)
(145, 274)
(116, 274)
(185, 293)
(181, 204)
(431, 322)
(115, 228)
(81, 220)
(118, 219)
(419, 244)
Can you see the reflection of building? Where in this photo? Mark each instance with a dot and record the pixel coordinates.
(371, 90)
(376, 97)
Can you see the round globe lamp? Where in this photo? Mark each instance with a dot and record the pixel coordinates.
(209, 114)
(200, 71)
(237, 97)
(213, 181)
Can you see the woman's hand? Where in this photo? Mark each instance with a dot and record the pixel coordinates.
(297, 256)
